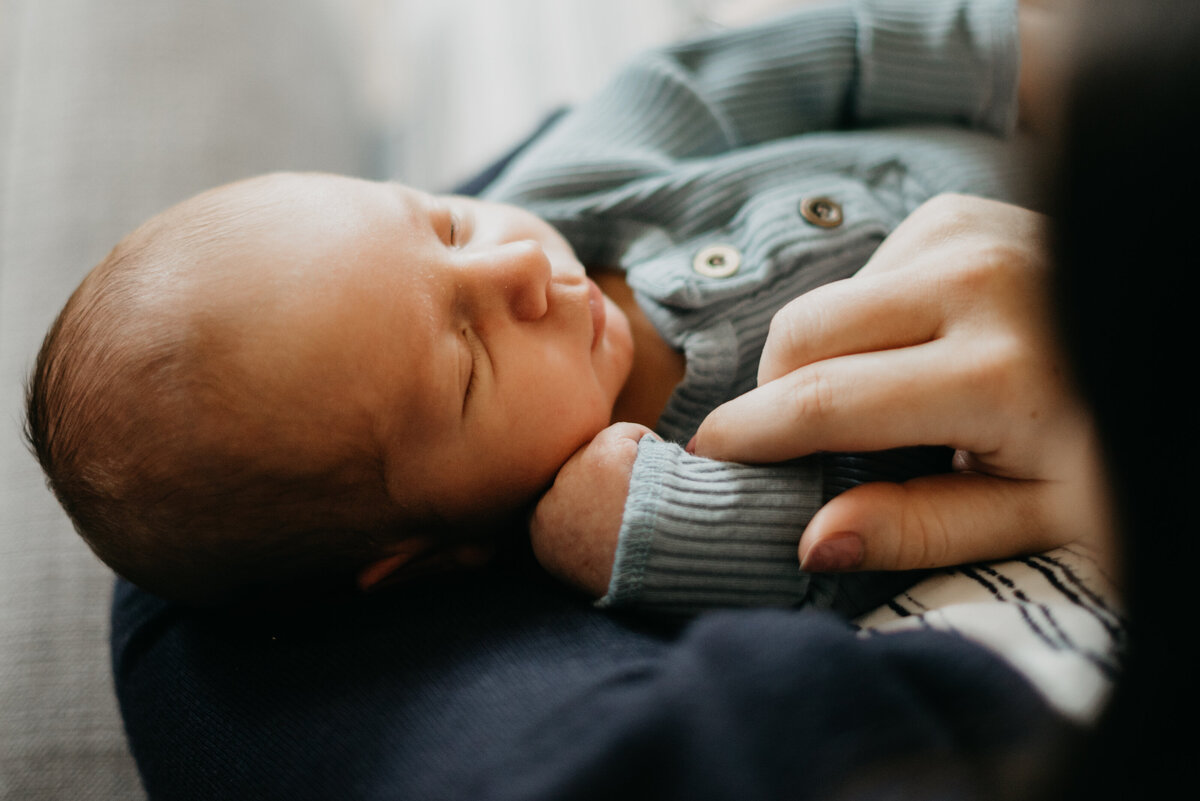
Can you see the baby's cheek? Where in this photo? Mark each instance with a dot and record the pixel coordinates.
(617, 350)
(585, 428)
(600, 419)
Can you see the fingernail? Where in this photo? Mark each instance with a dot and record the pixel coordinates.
(691, 446)
(840, 551)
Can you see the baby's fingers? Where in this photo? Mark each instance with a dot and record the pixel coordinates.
(934, 521)
(614, 437)
(575, 527)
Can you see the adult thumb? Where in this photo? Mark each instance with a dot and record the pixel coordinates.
(933, 521)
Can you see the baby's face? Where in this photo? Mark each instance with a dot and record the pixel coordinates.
(461, 339)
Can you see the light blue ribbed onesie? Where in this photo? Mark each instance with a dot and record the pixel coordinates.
(710, 155)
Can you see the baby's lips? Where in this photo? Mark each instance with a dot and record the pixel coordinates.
(599, 313)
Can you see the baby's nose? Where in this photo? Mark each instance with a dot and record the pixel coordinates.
(517, 275)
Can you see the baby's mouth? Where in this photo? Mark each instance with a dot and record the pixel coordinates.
(596, 306)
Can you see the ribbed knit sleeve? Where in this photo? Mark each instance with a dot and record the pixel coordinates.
(869, 63)
(874, 62)
(698, 533)
(937, 60)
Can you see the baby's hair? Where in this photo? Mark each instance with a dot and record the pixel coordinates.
(162, 453)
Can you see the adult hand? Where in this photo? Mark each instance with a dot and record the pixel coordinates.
(943, 338)
(576, 525)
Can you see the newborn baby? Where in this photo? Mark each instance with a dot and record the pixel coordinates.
(300, 375)
(304, 377)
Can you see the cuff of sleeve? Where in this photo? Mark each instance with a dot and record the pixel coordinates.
(698, 534)
(939, 59)
(843, 471)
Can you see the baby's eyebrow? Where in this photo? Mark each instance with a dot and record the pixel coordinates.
(416, 207)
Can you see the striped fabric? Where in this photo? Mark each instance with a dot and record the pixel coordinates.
(1054, 616)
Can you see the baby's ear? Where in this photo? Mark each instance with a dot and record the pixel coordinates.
(417, 557)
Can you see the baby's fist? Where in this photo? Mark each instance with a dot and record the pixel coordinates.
(576, 524)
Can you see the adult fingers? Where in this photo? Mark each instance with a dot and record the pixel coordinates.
(950, 262)
(951, 226)
(855, 315)
(922, 395)
(930, 522)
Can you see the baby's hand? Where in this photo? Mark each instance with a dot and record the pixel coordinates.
(575, 526)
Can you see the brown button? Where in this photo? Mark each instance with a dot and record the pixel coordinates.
(821, 211)
(717, 261)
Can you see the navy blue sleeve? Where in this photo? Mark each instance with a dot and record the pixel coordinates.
(774, 704)
(500, 685)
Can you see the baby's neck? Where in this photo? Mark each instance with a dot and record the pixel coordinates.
(657, 367)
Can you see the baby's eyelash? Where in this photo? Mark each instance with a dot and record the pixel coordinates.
(471, 345)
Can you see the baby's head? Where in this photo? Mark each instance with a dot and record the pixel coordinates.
(293, 377)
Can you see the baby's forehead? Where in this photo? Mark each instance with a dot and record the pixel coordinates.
(281, 206)
(268, 229)
(304, 252)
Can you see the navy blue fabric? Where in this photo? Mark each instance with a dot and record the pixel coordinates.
(779, 704)
(501, 685)
(404, 691)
